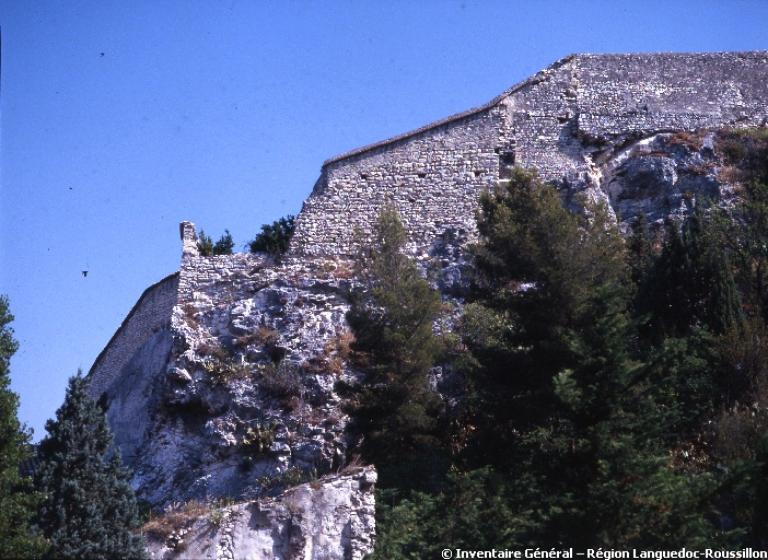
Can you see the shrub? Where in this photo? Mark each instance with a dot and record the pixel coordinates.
(274, 238)
(258, 438)
(178, 516)
(204, 244)
(282, 381)
(224, 245)
(224, 373)
(207, 247)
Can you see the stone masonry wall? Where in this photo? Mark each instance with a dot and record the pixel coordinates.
(151, 313)
(563, 121)
(432, 179)
(216, 275)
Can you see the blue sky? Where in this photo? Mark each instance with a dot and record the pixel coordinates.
(120, 119)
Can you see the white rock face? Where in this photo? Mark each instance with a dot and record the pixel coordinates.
(331, 518)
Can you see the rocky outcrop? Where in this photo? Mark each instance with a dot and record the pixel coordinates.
(330, 518)
(662, 176)
(237, 398)
(221, 382)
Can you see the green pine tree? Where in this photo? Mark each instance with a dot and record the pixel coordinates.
(89, 510)
(18, 501)
(395, 411)
(562, 396)
(224, 245)
(274, 238)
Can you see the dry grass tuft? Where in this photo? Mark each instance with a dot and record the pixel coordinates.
(182, 516)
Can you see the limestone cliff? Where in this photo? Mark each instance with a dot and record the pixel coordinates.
(220, 384)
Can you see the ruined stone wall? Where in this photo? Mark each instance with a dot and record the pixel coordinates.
(432, 179)
(216, 275)
(564, 121)
(622, 94)
(151, 313)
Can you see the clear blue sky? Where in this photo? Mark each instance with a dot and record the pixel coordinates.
(120, 119)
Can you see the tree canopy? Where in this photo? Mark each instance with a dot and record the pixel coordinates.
(89, 510)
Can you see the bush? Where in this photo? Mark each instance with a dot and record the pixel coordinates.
(207, 247)
(224, 245)
(274, 238)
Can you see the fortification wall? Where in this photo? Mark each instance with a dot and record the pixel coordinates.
(563, 121)
(150, 314)
(432, 178)
(217, 275)
(622, 94)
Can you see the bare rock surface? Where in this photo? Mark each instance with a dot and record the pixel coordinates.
(327, 519)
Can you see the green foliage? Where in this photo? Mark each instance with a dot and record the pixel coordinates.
(274, 238)
(89, 510)
(616, 391)
(560, 393)
(395, 411)
(18, 501)
(747, 496)
(224, 245)
(204, 244)
(478, 510)
(258, 438)
(207, 247)
(747, 150)
(691, 285)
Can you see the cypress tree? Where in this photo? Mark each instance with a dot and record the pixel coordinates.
(89, 510)
(17, 498)
(691, 284)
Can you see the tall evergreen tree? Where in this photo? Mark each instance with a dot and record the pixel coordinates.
(691, 284)
(395, 410)
(17, 498)
(563, 399)
(89, 510)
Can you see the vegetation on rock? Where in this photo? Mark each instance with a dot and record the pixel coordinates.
(616, 390)
(274, 238)
(396, 413)
(208, 248)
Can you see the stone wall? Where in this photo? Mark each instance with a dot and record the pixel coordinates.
(432, 178)
(215, 275)
(563, 121)
(151, 314)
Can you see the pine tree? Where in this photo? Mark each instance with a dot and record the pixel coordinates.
(563, 398)
(274, 238)
(89, 510)
(224, 245)
(395, 411)
(17, 498)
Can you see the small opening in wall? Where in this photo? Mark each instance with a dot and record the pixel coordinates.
(363, 175)
(421, 174)
(507, 159)
(478, 173)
